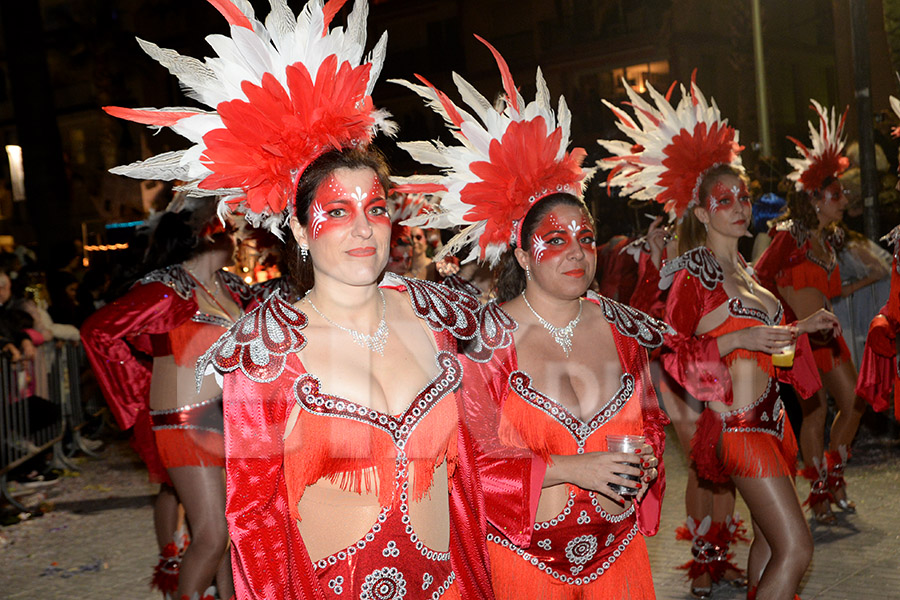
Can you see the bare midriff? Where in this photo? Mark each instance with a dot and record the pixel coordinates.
(332, 518)
(175, 386)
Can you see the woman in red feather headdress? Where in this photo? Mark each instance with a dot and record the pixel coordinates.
(727, 327)
(347, 472)
(801, 267)
(568, 369)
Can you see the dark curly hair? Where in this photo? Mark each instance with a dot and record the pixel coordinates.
(511, 281)
(801, 210)
(300, 271)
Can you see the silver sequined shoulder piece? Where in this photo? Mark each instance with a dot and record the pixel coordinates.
(237, 287)
(797, 231)
(442, 308)
(893, 240)
(259, 343)
(699, 262)
(173, 276)
(262, 291)
(455, 282)
(495, 331)
(633, 323)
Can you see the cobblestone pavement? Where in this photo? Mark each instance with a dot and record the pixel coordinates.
(96, 540)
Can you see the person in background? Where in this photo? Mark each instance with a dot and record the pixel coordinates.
(800, 266)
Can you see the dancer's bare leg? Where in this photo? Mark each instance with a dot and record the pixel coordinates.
(202, 493)
(166, 516)
(780, 533)
(841, 385)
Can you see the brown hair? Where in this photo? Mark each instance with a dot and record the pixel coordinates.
(511, 281)
(691, 232)
(300, 270)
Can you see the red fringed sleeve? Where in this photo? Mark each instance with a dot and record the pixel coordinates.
(694, 361)
(803, 376)
(511, 478)
(147, 309)
(269, 559)
(877, 372)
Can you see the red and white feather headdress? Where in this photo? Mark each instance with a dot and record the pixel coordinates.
(506, 160)
(670, 148)
(281, 93)
(825, 159)
(403, 206)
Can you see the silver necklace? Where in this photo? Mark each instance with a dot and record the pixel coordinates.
(561, 335)
(374, 342)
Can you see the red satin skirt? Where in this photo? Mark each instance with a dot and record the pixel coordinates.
(754, 441)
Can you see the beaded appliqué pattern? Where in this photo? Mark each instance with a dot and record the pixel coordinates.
(520, 383)
(237, 287)
(259, 343)
(439, 306)
(633, 323)
(737, 309)
(173, 276)
(399, 427)
(699, 262)
(495, 331)
(774, 420)
(579, 550)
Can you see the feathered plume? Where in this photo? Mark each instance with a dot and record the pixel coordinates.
(280, 94)
(825, 159)
(506, 160)
(670, 148)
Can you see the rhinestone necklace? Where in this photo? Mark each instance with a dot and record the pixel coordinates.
(374, 342)
(561, 335)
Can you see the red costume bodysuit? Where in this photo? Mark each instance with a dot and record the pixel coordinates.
(358, 448)
(879, 376)
(789, 262)
(753, 440)
(158, 317)
(582, 552)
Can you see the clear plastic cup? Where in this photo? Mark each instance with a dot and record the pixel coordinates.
(627, 444)
(785, 357)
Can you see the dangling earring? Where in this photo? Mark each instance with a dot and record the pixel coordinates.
(706, 227)
(528, 273)
(304, 252)
(818, 208)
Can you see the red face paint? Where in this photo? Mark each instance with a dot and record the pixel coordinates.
(723, 196)
(554, 236)
(834, 192)
(343, 197)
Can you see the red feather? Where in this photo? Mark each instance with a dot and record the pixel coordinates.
(161, 118)
(332, 7)
(277, 132)
(418, 188)
(522, 166)
(232, 13)
(508, 84)
(454, 115)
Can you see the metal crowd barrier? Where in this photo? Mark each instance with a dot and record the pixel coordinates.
(40, 405)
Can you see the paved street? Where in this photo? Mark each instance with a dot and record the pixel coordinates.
(96, 541)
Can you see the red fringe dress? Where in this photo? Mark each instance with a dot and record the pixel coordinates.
(357, 448)
(879, 374)
(159, 316)
(583, 552)
(789, 262)
(752, 441)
